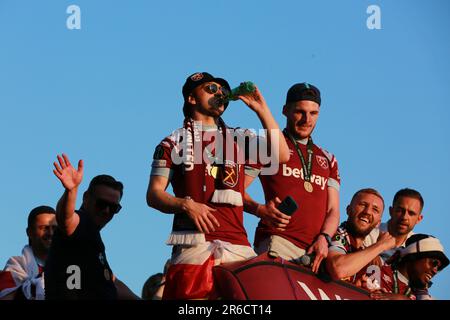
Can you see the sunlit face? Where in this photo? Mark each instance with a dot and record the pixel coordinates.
(207, 102)
(421, 271)
(301, 118)
(405, 214)
(41, 232)
(364, 213)
(100, 204)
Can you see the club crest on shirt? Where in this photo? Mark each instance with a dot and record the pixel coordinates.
(322, 161)
(197, 77)
(230, 174)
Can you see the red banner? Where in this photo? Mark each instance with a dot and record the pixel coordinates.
(265, 278)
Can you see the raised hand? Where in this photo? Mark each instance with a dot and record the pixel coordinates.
(255, 101)
(66, 173)
(202, 215)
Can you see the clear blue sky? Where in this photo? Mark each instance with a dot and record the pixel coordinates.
(108, 93)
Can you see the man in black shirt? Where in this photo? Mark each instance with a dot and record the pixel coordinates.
(76, 267)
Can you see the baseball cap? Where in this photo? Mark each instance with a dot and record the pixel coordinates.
(196, 79)
(303, 91)
(424, 246)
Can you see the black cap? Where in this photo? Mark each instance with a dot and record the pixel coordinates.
(196, 79)
(303, 91)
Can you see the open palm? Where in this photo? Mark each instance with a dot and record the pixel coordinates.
(67, 174)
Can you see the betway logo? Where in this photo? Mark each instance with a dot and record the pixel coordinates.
(298, 173)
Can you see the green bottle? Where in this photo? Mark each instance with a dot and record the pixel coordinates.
(244, 88)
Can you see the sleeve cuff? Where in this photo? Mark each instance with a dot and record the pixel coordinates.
(332, 183)
(252, 172)
(165, 172)
(337, 249)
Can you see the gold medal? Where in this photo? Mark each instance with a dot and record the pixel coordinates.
(213, 172)
(308, 186)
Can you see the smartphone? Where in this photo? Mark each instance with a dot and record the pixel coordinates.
(288, 206)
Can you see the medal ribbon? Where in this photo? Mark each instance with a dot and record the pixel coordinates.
(396, 286)
(307, 167)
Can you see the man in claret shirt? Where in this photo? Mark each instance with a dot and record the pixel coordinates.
(204, 165)
(23, 277)
(356, 246)
(310, 177)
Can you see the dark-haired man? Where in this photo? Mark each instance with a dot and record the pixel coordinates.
(77, 268)
(406, 213)
(310, 177)
(22, 277)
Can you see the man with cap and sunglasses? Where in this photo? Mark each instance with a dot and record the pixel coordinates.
(310, 177)
(23, 276)
(77, 268)
(205, 166)
(411, 271)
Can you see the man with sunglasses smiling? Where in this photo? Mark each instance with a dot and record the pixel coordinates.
(208, 185)
(77, 268)
(412, 269)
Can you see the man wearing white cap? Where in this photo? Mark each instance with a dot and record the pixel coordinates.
(412, 270)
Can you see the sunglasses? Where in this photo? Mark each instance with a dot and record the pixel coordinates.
(103, 204)
(213, 88)
(436, 263)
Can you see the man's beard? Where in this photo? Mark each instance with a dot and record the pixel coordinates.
(217, 101)
(357, 232)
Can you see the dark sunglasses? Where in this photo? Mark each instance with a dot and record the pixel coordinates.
(436, 263)
(103, 204)
(214, 88)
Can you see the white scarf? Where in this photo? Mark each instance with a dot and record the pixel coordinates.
(24, 270)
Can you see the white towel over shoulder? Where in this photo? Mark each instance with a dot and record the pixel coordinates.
(24, 270)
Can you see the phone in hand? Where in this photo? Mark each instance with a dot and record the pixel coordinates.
(288, 206)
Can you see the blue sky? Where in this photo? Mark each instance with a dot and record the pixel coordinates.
(109, 92)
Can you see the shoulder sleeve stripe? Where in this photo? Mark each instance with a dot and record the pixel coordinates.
(337, 249)
(165, 172)
(252, 172)
(332, 183)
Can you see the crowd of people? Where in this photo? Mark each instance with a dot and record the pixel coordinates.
(210, 165)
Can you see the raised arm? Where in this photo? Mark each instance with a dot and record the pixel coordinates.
(70, 178)
(340, 265)
(258, 104)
